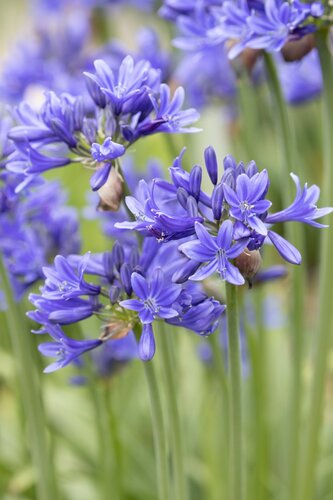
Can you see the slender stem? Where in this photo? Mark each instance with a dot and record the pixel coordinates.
(177, 452)
(296, 234)
(219, 366)
(116, 442)
(324, 330)
(30, 395)
(104, 437)
(221, 405)
(109, 477)
(256, 336)
(159, 432)
(236, 432)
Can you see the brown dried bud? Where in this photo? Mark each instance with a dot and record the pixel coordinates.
(293, 51)
(115, 330)
(249, 263)
(246, 59)
(111, 192)
(249, 58)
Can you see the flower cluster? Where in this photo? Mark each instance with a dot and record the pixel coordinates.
(265, 25)
(125, 105)
(234, 219)
(188, 235)
(134, 291)
(35, 224)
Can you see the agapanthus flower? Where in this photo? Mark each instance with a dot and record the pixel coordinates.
(303, 208)
(233, 219)
(155, 298)
(65, 349)
(246, 202)
(133, 293)
(267, 25)
(252, 24)
(63, 283)
(35, 224)
(217, 251)
(129, 103)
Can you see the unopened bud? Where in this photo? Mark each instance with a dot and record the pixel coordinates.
(246, 60)
(111, 192)
(249, 263)
(297, 49)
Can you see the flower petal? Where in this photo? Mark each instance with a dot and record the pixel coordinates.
(195, 250)
(205, 237)
(233, 275)
(225, 234)
(204, 271)
(132, 304)
(286, 249)
(139, 285)
(147, 343)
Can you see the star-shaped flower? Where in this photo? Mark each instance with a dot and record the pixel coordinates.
(216, 252)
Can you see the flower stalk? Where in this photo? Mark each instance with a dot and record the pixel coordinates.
(236, 471)
(324, 328)
(158, 432)
(177, 452)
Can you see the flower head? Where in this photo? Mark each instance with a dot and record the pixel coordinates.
(65, 349)
(216, 252)
(246, 202)
(155, 297)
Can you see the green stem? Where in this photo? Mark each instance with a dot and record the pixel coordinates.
(236, 432)
(116, 443)
(108, 452)
(219, 366)
(158, 432)
(295, 234)
(258, 349)
(324, 329)
(177, 452)
(221, 406)
(30, 395)
(107, 481)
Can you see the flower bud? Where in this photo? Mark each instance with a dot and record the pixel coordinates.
(182, 196)
(111, 192)
(211, 164)
(195, 181)
(297, 49)
(125, 276)
(192, 206)
(249, 263)
(118, 254)
(114, 294)
(217, 201)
